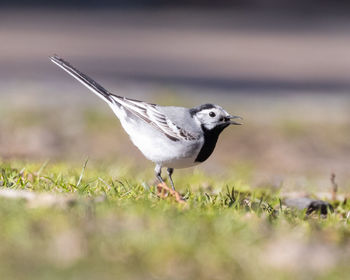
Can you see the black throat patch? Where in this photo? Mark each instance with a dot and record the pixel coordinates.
(210, 139)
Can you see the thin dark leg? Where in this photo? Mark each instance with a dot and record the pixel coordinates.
(158, 172)
(170, 172)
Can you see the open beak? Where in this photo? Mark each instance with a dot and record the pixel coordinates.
(230, 119)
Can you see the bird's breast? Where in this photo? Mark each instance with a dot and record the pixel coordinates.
(209, 143)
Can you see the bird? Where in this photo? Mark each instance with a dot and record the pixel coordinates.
(169, 136)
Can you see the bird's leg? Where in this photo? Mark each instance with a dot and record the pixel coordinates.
(162, 189)
(158, 172)
(170, 172)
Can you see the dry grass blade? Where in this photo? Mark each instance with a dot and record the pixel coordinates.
(82, 172)
(163, 191)
(334, 187)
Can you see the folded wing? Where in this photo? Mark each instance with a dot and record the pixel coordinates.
(150, 114)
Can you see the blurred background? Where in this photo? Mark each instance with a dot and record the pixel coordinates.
(284, 66)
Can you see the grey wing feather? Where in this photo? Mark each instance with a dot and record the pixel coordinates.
(149, 113)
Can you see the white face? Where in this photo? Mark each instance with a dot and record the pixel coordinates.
(213, 117)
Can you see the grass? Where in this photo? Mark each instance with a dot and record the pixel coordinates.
(114, 226)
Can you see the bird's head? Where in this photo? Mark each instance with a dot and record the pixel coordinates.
(213, 116)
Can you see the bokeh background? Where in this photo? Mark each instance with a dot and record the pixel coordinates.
(284, 66)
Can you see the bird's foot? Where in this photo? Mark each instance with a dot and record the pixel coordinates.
(163, 190)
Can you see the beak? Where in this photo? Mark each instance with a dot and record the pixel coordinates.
(230, 119)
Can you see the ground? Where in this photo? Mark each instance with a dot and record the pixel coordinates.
(88, 223)
(61, 220)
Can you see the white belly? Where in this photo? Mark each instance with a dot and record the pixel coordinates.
(168, 153)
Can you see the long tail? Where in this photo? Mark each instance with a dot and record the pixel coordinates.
(99, 90)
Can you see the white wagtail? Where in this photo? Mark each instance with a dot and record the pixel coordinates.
(172, 137)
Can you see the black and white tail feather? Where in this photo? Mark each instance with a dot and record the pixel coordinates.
(145, 111)
(96, 88)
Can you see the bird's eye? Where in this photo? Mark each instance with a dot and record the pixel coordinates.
(212, 114)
